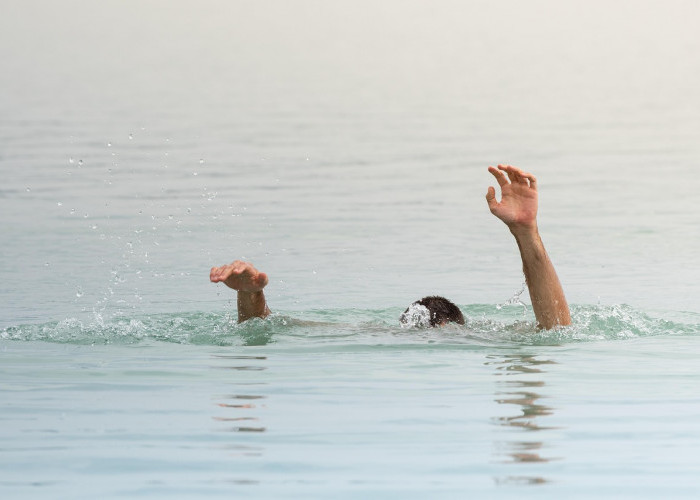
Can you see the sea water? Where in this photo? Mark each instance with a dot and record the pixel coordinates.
(342, 147)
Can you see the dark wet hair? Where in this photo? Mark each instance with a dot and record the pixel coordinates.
(441, 311)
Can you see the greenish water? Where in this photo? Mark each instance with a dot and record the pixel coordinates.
(346, 403)
(342, 147)
(485, 325)
(189, 405)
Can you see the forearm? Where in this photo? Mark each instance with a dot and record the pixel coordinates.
(252, 305)
(546, 293)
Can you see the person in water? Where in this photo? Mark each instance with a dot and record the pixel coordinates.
(517, 209)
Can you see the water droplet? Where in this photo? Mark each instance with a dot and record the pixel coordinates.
(72, 211)
(46, 264)
(71, 160)
(80, 163)
(29, 190)
(94, 226)
(109, 144)
(79, 292)
(195, 173)
(131, 136)
(85, 216)
(201, 161)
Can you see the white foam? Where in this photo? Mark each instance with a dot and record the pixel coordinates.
(416, 316)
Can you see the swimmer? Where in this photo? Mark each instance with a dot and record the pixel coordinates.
(517, 209)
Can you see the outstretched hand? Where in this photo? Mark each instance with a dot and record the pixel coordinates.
(239, 275)
(518, 205)
(518, 209)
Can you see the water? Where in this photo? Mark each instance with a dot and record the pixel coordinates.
(190, 405)
(343, 149)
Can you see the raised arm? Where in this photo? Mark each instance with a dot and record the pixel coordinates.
(249, 282)
(518, 210)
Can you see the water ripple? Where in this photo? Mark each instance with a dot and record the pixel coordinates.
(485, 325)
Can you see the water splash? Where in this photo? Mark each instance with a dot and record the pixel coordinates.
(515, 299)
(485, 325)
(416, 316)
(194, 328)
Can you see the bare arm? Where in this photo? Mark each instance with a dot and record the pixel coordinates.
(249, 282)
(518, 210)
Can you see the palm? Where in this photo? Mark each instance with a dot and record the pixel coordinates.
(518, 205)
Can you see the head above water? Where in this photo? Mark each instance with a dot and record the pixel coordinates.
(430, 312)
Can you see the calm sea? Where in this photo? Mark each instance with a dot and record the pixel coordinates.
(342, 147)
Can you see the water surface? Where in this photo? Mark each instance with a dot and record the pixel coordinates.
(342, 147)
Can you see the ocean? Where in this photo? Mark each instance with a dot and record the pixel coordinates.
(342, 148)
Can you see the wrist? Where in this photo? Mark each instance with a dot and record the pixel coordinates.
(524, 230)
(246, 295)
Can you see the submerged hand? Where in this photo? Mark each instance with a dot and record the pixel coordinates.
(239, 275)
(518, 205)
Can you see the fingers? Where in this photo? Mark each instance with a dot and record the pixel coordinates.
(499, 175)
(219, 273)
(531, 178)
(517, 175)
(222, 273)
(511, 172)
(239, 275)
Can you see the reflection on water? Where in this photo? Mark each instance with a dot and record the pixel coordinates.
(520, 480)
(525, 392)
(241, 410)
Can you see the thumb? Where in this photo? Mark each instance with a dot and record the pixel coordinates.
(261, 280)
(491, 197)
